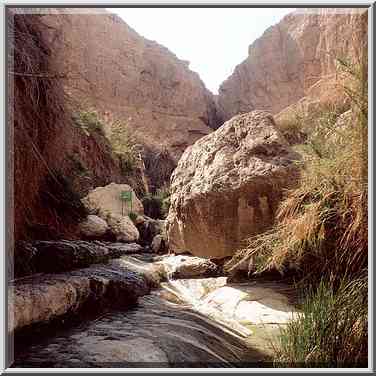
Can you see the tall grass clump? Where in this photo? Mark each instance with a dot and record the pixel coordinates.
(330, 330)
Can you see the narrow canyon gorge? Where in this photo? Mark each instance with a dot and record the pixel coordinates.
(156, 224)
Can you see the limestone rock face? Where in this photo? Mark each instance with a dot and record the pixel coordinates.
(227, 186)
(128, 78)
(106, 200)
(292, 56)
(93, 226)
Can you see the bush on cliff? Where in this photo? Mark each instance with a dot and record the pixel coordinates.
(88, 122)
(125, 146)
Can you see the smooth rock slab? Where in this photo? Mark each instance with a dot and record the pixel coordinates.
(64, 255)
(41, 298)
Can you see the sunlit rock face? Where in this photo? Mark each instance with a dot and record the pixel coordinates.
(228, 185)
(126, 77)
(292, 56)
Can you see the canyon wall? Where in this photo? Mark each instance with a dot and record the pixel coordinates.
(127, 78)
(292, 56)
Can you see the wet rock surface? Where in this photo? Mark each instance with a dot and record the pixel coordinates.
(186, 266)
(64, 255)
(153, 334)
(42, 298)
(187, 323)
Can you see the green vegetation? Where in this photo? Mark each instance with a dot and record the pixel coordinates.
(133, 216)
(88, 122)
(125, 146)
(79, 169)
(330, 331)
(157, 205)
(321, 234)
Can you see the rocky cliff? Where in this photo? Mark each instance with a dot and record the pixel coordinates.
(126, 77)
(292, 56)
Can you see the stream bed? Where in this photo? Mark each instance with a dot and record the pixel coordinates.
(184, 323)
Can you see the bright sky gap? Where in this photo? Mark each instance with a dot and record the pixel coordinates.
(213, 40)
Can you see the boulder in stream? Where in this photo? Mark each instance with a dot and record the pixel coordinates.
(185, 266)
(39, 299)
(228, 185)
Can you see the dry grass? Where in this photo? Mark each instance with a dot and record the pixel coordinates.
(322, 225)
(322, 235)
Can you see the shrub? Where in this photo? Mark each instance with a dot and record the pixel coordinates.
(88, 122)
(292, 127)
(133, 216)
(159, 165)
(157, 205)
(330, 331)
(125, 146)
(78, 168)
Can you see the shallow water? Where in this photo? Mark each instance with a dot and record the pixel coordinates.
(185, 323)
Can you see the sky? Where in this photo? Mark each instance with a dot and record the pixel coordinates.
(213, 40)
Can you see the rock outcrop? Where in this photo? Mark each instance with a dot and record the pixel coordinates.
(40, 299)
(227, 186)
(292, 56)
(65, 255)
(131, 79)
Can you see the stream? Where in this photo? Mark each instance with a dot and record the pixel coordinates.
(201, 322)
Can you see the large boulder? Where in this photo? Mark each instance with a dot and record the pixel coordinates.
(93, 227)
(228, 185)
(103, 201)
(41, 298)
